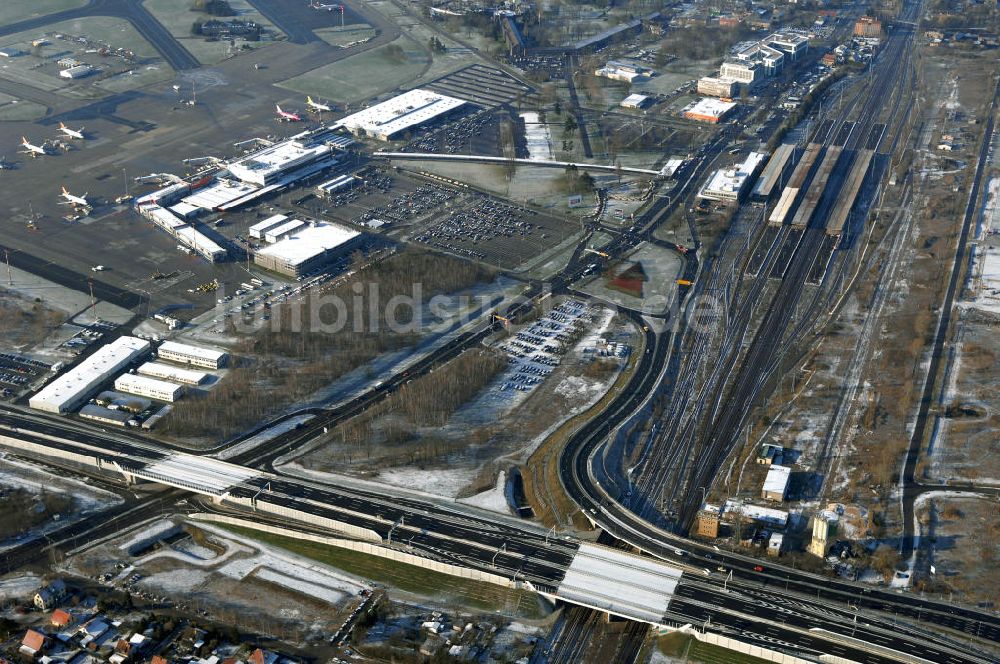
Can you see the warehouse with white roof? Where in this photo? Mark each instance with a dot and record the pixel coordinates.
(308, 248)
(144, 386)
(283, 230)
(257, 230)
(174, 351)
(173, 374)
(76, 385)
(402, 113)
(776, 483)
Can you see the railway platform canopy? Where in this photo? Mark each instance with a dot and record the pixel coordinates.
(619, 583)
(195, 473)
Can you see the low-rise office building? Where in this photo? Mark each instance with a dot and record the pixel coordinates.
(174, 351)
(145, 386)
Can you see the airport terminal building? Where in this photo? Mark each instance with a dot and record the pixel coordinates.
(406, 112)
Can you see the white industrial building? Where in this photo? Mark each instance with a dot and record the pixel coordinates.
(330, 187)
(624, 71)
(776, 483)
(635, 101)
(173, 374)
(188, 236)
(257, 230)
(79, 71)
(174, 351)
(402, 113)
(144, 386)
(282, 231)
(274, 162)
(308, 248)
(730, 184)
(201, 243)
(217, 194)
(76, 385)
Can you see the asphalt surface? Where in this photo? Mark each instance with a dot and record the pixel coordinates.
(70, 279)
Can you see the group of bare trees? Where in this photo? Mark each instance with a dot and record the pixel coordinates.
(24, 322)
(294, 357)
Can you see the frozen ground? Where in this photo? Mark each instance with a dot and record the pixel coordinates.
(36, 479)
(508, 419)
(537, 137)
(493, 500)
(17, 586)
(72, 302)
(264, 436)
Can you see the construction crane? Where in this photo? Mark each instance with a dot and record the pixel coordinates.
(506, 321)
(684, 282)
(602, 254)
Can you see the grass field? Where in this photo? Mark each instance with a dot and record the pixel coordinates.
(439, 587)
(12, 11)
(687, 649)
(364, 75)
(113, 31)
(342, 36)
(176, 16)
(21, 111)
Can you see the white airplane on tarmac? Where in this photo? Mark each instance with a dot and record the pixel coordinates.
(317, 106)
(285, 116)
(72, 133)
(75, 201)
(33, 150)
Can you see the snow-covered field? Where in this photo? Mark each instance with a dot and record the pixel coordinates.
(21, 585)
(536, 135)
(35, 479)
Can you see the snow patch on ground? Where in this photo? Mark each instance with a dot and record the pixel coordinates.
(181, 580)
(494, 500)
(447, 482)
(264, 436)
(536, 135)
(21, 585)
(572, 386)
(153, 531)
(308, 587)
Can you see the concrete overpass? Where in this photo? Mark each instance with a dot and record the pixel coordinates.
(664, 172)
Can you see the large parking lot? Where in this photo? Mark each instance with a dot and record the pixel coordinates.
(488, 229)
(481, 85)
(476, 134)
(18, 372)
